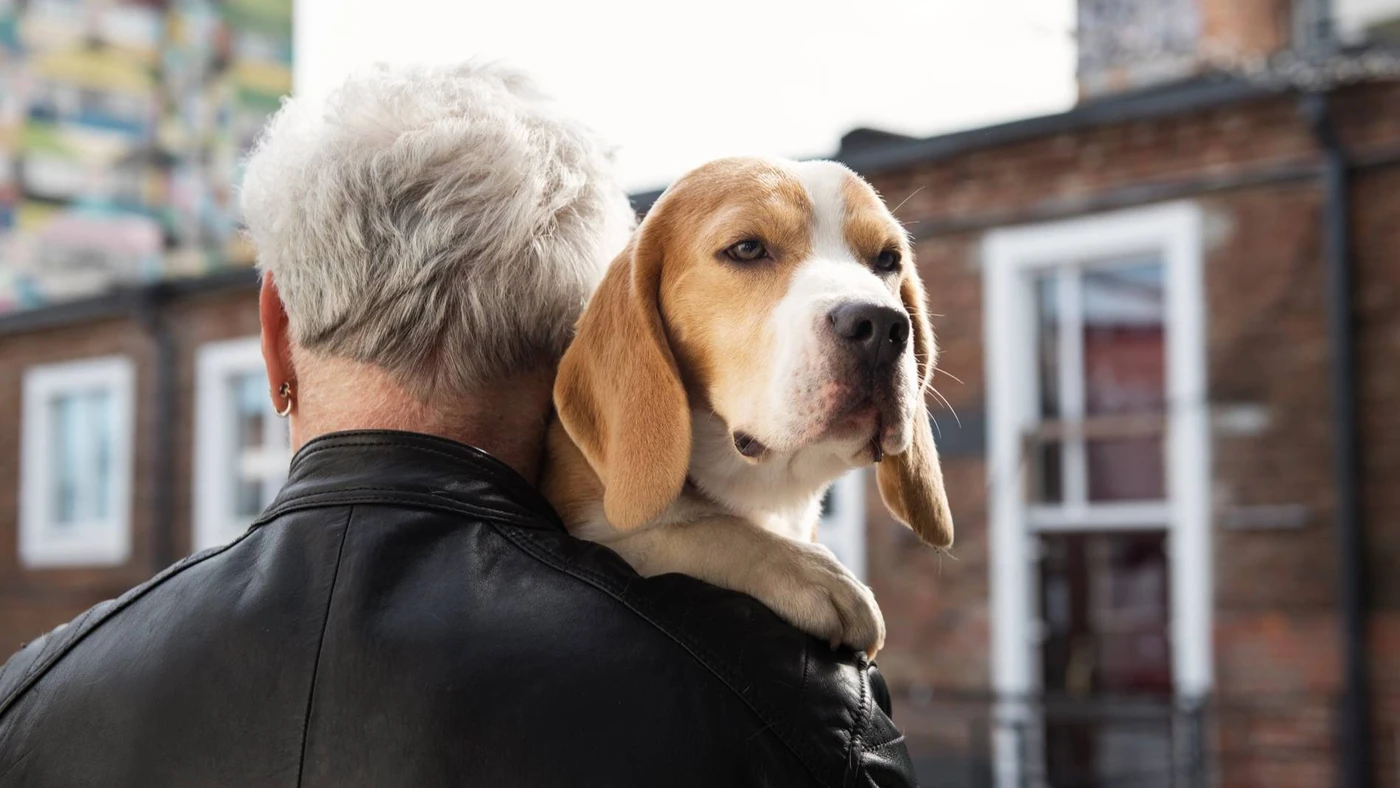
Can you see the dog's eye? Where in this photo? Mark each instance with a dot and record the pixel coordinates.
(887, 261)
(747, 251)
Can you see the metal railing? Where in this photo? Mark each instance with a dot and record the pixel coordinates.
(986, 741)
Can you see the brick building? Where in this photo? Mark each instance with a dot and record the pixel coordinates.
(1151, 578)
(1151, 581)
(121, 126)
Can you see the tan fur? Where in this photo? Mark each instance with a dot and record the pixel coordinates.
(911, 483)
(709, 210)
(619, 395)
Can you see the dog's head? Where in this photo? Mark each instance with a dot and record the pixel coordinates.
(781, 297)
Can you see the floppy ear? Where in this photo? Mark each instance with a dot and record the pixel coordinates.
(619, 394)
(912, 483)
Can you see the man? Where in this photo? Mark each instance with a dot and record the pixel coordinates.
(409, 611)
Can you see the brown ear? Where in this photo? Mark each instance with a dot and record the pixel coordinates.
(912, 483)
(619, 394)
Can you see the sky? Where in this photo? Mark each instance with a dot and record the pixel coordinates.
(676, 84)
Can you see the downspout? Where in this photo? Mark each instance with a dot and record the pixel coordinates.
(1355, 728)
(1319, 37)
(165, 370)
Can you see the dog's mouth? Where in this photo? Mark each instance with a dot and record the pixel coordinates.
(875, 422)
(877, 448)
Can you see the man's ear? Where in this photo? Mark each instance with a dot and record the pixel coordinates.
(276, 341)
(619, 394)
(912, 483)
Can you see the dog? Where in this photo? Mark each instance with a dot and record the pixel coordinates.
(763, 332)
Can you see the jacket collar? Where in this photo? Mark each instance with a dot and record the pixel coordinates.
(408, 468)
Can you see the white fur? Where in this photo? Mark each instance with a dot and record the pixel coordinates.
(446, 224)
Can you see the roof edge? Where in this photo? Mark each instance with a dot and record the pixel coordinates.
(126, 301)
(1192, 95)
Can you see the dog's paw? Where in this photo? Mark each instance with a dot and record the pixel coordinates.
(807, 587)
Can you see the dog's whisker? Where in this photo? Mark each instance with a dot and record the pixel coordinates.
(942, 371)
(906, 199)
(936, 428)
(951, 409)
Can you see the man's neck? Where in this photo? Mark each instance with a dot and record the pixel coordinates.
(508, 422)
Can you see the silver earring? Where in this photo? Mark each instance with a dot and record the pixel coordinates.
(285, 392)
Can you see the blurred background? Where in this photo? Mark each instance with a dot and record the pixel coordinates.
(1160, 237)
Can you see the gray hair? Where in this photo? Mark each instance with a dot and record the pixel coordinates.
(445, 224)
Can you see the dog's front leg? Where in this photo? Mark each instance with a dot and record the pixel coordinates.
(800, 581)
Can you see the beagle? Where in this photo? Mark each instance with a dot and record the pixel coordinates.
(763, 332)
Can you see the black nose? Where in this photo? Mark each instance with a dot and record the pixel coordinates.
(878, 334)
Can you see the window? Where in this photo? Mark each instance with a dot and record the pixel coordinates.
(1096, 445)
(1364, 21)
(1099, 474)
(842, 524)
(241, 450)
(75, 463)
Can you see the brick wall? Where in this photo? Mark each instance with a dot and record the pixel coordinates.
(32, 601)
(1277, 639)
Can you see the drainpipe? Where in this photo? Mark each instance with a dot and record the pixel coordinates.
(165, 370)
(1355, 728)
(1355, 743)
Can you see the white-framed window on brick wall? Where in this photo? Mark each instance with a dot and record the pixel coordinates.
(842, 523)
(241, 446)
(76, 463)
(1101, 567)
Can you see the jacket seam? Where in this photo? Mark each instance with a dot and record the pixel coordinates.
(334, 498)
(806, 666)
(486, 467)
(892, 742)
(708, 660)
(43, 664)
(320, 645)
(863, 715)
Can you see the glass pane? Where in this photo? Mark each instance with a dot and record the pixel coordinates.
(1048, 343)
(64, 412)
(251, 410)
(1047, 471)
(103, 426)
(1047, 475)
(1104, 603)
(1124, 374)
(82, 457)
(1127, 469)
(1106, 659)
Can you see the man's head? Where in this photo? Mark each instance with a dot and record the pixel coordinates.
(439, 228)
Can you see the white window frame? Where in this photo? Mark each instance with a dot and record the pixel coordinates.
(213, 490)
(843, 529)
(98, 543)
(1173, 232)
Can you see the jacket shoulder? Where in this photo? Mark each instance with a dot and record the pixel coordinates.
(37, 657)
(829, 707)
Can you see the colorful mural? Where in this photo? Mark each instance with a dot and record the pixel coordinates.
(122, 125)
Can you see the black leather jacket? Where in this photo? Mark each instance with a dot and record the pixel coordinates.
(410, 612)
